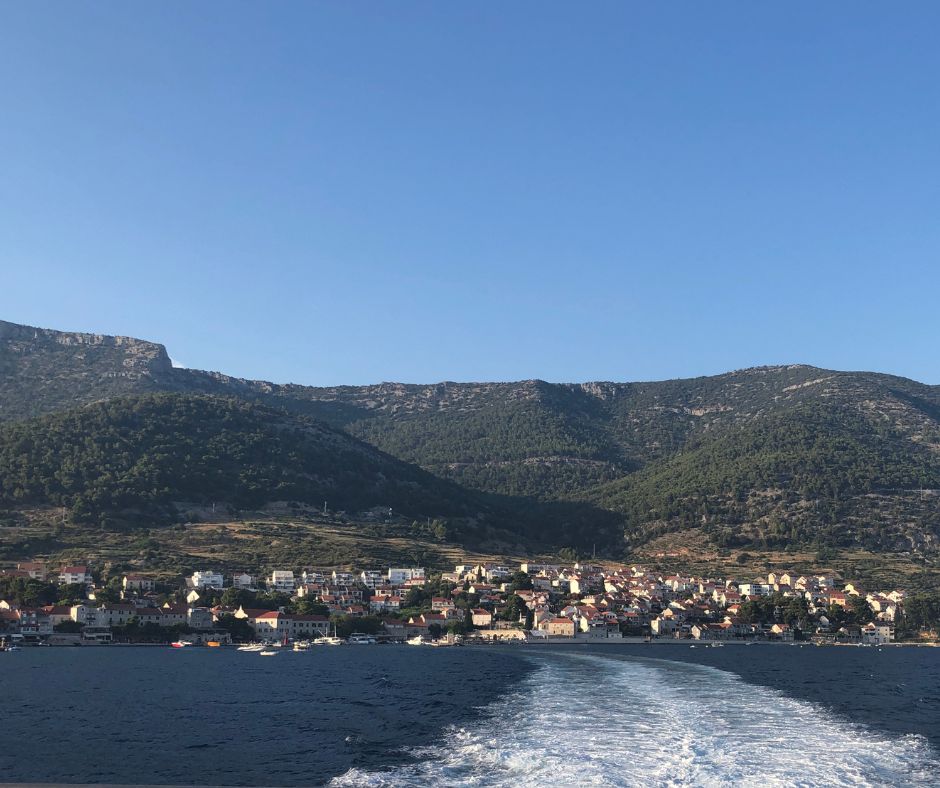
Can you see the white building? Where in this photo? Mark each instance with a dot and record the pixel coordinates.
(371, 578)
(277, 626)
(242, 580)
(494, 573)
(84, 614)
(74, 575)
(876, 634)
(399, 576)
(753, 589)
(199, 618)
(207, 580)
(532, 568)
(137, 583)
(281, 580)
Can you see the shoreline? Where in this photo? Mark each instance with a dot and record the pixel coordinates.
(517, 644)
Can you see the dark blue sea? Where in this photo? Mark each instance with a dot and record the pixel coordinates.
(661, 715)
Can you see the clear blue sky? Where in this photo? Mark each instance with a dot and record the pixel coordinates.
(352, 192)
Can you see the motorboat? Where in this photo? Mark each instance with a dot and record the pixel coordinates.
(361, 639)
(181, 643)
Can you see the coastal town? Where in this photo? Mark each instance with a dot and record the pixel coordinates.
(484, 602)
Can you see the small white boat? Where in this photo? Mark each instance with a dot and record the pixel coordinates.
(268, 653)
(361, 639)
(328, 639)
(181, 643)
(302, 645)
(251, 647)
(415, 641)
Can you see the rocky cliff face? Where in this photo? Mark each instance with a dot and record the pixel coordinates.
(42, 371)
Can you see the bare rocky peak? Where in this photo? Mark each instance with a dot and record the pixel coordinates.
(45, 370)
(15, 331)
(127, 354)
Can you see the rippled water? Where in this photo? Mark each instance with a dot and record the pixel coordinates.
(614, 715)
(222, 717)
(595, 719)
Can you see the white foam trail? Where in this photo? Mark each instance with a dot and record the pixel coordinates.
(586, 720)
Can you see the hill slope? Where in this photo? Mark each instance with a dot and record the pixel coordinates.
(141, 455)
(145, 460)
(818, 473)
(527, 438)
(763, 456)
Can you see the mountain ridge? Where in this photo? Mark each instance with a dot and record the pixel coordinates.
(611, 445)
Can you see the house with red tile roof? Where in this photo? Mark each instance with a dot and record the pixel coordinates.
(480, 617)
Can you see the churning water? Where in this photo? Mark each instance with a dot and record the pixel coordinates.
(540, 716)
(594, 720)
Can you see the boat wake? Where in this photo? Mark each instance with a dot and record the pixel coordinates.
(589, 720)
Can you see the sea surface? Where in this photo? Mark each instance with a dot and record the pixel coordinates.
(660, 715)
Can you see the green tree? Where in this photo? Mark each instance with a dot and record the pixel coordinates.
(309, 607)
(520, 581)
(68, 626)
(109, 594)
(71, 594)
(922, 611)
(860, 610)
(514, 609)
(233, 598)
(346, 625)
(239, 628)
(27, 592)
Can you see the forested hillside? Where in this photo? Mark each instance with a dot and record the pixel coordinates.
(139, 456)
(766, 456)
(820, 473)
(142, 461)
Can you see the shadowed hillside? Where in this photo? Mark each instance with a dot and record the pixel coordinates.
(764, 456)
